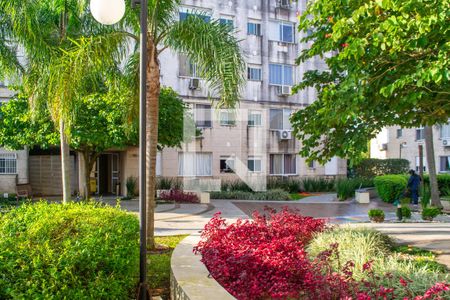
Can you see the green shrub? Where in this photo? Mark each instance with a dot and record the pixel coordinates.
(169, 183)
(72, 251)
(234, 185)
(345, 188)
(443, 183)
(239, 195)
(372, 167)
(390, 187)
(290, 185)
(131, 186)
(318, 184)
(376, 215)
(429, 213)
(361, 245)
(406, 212)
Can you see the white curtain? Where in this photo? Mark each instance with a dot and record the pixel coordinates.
(203, 164)
(186, 164)
(195, 164)
(276, 164)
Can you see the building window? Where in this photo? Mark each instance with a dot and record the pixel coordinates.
(254, 118)
(281, 32)
(253, 29)
(281, 74)
(202, 116)
(186, 13)
(187, 68)
(254, 164)
(8, 163)
(444, 162)
(279, 119)
(399, 133)
(194, 164)
(226, 164)
(312, 164)
(227, 118)
(228, 21)
(254, 74)
(420, 134)
(282, 164)
(445, 131)
(418, 164)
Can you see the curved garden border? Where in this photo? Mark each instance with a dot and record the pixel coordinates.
(189, 278)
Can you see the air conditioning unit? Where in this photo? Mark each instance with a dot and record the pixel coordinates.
(446, 142)
(285, 134)
(284, 4)
(284, 90)
(194, 83)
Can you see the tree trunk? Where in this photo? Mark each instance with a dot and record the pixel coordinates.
(429, 146)
(153, 91)
(89, 160)
(65, 163)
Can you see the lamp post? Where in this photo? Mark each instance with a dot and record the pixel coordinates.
(109, 12)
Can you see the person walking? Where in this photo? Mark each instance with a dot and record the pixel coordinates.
(413, 187)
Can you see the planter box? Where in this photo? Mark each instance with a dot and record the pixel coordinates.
(362, 196)
(204, 197)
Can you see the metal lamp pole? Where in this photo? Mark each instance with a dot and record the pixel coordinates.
(109, 12)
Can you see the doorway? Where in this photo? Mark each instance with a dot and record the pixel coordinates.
(107, 174)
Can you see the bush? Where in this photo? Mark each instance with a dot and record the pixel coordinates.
(234, 185)
(131, 186)
(290, 185)
(443, 183)
(345, 188)
(429, 213)
(376, 215)
(179, 196)
(318, 184)
(372, 167)
(264, 258)
(238, 195)
(406, 212)
(71, 251)
(169, 183)
(390, 187)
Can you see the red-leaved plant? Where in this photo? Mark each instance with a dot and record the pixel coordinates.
(179, 196)
(266, 259)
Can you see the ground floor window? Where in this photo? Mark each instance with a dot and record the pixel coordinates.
(226, 164)
(254, 164)
(418, 164)
(195, 164)
(282, 164)
(8, 163)
(444, 164)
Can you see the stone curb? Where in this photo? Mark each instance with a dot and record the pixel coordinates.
(189, 278)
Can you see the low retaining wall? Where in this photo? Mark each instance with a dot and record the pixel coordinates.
(189, 278)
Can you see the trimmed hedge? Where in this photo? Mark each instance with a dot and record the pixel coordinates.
(372, 167)
(443, 183)
(71, 251)
(390, 187)
(239, 195)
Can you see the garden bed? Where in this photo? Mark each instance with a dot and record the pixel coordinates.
(286, 255)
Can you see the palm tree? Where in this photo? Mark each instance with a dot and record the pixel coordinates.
(208, 44)
(64, 51)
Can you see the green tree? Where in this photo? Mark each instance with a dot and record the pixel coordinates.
(97, 125)
(388, 66)
(208, 44)
(64, 52)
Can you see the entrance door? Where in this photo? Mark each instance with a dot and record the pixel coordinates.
(107, 174)
(115, 173)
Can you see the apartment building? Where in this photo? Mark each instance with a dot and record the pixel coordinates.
(254, 140)
(397, 142)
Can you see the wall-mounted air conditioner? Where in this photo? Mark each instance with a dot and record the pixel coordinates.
(194, 83)
(446, 142)
(285, 134)
(284, 90)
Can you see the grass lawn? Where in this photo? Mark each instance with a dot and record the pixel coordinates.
(159, 266)
(296, 196)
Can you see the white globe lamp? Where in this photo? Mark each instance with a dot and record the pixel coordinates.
(107, 12)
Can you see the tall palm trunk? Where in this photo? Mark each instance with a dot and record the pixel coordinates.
(152, 98)
(429, 146)
(65, 162)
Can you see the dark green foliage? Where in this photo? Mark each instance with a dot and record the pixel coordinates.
(241, 195)
(390, 187)
(318, 184)
(131, 186)
(345, 188)
(169, 183)
(371, 167)
(406, 212)
(376, 215)
(429, 213)
(443, 183)
(234, 185)
(72, 251)
(291, 185)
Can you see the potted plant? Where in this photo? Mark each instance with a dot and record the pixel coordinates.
(376, 215)
(429, 213)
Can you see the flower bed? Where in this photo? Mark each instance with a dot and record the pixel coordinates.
(179, 196)
(267, 259)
